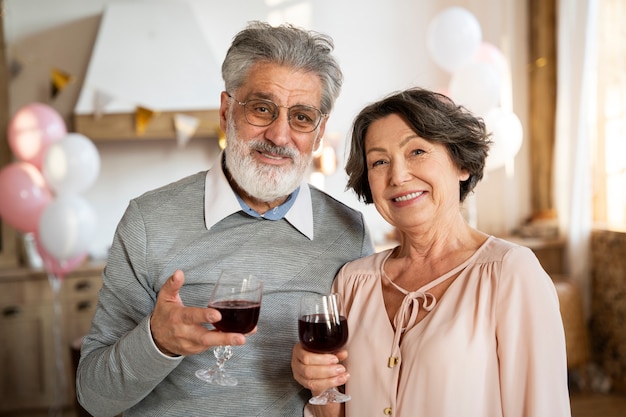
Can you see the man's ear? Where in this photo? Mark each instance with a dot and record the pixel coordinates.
(224, 106)
(317, 143)
(320, 134)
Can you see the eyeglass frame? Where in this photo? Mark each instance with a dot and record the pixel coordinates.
(276, 114)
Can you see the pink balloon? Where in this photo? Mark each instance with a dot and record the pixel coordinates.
(23, 196)
(32, 129)
(56, 267)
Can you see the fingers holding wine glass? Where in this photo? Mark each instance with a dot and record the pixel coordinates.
(323, 328)
(180, 330)
(318, 371)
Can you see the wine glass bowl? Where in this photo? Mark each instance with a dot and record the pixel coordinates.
(322, 328)
(322, 334)
(238, 316)
(238, 299)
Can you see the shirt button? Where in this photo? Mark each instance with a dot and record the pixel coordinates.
(387, 411)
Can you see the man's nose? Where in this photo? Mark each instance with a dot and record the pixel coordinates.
(279, 131)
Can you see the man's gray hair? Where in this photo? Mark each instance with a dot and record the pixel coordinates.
(284, 45)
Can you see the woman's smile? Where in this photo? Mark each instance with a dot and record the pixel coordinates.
(407, 197)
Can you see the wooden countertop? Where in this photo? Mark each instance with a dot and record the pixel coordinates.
(89, 268)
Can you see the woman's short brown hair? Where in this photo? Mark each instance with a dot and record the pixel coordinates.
(433, 117)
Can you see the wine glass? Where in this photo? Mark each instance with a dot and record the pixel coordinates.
(323, 328)
(238, 299)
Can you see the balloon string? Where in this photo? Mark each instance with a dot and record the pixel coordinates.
(56, 407)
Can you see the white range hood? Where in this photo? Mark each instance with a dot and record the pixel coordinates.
(151, 73)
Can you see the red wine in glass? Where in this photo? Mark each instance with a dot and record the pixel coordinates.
(238, 316)
(238, 299)
(321, 336)
(322, 328)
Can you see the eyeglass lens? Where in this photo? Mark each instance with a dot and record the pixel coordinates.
(261, 112)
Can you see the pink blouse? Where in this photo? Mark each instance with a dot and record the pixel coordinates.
(493, 345)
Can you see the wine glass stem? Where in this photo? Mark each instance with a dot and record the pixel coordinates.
(222, 354)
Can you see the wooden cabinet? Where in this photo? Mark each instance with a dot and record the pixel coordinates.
(37, 328)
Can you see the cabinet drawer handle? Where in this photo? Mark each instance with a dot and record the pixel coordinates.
(82, 286)
(11, 311)
(83, 305)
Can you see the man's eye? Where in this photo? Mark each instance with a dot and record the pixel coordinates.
(302, 117)
(261, 109)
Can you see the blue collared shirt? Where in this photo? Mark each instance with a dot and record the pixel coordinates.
(276, 213)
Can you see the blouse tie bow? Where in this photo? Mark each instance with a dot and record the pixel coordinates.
(407, 313)
(407, 316)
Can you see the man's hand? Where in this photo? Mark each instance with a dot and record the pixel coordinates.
(178, 330)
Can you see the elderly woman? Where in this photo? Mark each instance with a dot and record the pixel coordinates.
(452, 322)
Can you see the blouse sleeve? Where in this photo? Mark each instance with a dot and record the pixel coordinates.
(338, 286)
(530, 339)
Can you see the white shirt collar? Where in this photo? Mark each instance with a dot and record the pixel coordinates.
(216, 184)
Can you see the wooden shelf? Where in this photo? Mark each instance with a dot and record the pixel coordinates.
(121, 126)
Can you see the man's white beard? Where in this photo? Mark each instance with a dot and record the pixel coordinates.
(262, 181)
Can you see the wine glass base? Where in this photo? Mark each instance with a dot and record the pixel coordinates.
(216, 377)
(329, 396)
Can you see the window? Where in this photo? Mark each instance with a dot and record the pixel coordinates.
(610, 159)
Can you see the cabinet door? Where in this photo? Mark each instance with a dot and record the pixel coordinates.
(80, 296)
(80, 300)
(27, 357)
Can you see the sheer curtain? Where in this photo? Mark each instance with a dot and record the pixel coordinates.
(575, 125)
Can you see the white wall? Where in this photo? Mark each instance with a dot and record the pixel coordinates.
(380, 44)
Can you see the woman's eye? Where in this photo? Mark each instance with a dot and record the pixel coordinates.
(378, 163)
(417, 151)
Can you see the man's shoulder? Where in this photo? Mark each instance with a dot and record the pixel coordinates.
(189, 187)
(322, 199)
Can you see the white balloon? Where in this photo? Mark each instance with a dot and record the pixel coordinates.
(490, 54)
(71, 165)
(454, 35)
(507, 135)
(67, 226)
(477, 87)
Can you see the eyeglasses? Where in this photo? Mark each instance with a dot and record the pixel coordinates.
(261, 112)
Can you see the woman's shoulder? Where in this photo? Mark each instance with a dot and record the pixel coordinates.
(360, 279)
(512, 263)
(363, 270)
(497, 249)
(368, 264)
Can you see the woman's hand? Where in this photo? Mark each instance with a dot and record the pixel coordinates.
(318, 371)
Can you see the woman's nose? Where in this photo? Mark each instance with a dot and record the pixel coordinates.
(399, 173)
